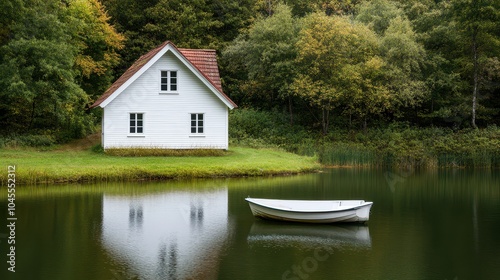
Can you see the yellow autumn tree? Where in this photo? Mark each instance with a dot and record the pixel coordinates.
(338, 67)
(98, 43)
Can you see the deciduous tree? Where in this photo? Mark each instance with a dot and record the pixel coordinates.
(336, 58)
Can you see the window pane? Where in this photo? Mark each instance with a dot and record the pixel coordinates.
(132, 116)
(164, 87)
(200, 116)
(193, 116)
(139, 116)
(200, 129)
(193, 123)
(164, 74)
(132, 129)
(193, 129)
(139, 123)
(132, 123)
(200, 123)
(173, 87)
(139, 130)
(173, 74)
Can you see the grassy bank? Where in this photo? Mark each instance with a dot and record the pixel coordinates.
(396, 145)
(67, 165)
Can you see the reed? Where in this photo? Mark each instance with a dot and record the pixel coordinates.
(343, 154)
(157, 152)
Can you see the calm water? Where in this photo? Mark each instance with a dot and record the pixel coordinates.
(425, 225)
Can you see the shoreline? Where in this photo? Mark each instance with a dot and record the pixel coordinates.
(66, 167)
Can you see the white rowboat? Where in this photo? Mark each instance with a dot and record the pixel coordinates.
(311, 211)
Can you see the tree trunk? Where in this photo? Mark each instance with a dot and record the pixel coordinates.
(476, 78)
(325, 121)
(32, 117)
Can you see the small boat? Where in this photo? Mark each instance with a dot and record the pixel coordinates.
(311, 211)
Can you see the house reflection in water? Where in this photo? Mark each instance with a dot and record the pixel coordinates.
(174, 235)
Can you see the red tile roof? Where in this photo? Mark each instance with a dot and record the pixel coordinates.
(205, 61)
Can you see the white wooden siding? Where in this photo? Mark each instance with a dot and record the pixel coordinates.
(167, 119)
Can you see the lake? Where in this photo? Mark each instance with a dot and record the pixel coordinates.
(424, 225)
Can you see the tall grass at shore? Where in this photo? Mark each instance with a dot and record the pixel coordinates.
(345, 154)
(396, 145)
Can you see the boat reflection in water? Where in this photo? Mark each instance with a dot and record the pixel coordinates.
(279, 234)
(176, 235)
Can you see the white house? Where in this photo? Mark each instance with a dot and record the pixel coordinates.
(170, 98)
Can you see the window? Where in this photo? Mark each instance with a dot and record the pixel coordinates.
(168, 81)
(136, 123)
(196, 123)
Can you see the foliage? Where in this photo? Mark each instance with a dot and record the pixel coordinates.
(98, 44)
(257, 128)
(267, 53)
(334, 66)
(337, 60)
(398, 145)
(23, 141)
(477, 25)
(53, 60)
(189, 24)
(378, 14)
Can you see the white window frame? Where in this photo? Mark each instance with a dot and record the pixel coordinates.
(196, 125)
(136, 126)
(169, 83)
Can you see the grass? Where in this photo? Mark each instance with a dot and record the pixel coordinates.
(140, 152)
(65, 165)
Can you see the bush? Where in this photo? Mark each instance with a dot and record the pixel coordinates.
(15, 141)
(254, 128)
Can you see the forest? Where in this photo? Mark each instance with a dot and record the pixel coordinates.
(316, 70)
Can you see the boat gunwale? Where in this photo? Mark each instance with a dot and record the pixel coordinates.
(365, 203)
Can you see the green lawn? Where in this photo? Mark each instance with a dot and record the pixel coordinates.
(60, 166)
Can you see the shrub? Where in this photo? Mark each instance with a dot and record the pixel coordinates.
(15, 141)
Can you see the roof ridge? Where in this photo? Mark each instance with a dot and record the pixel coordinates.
(207, 67)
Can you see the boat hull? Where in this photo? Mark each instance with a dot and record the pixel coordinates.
(349, 213)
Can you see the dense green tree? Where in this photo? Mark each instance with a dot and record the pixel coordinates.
(129, 19)
(268, 54)
(479, 27)
(436, 29)
(9, 12)
(302, 8)
(404, 56)
(377, 14)
(190, 24)
(54, 52)
(446, 29)
(405, 59)
(186, 23)
(37, 73)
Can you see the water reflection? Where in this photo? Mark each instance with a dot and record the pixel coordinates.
(279, 234)
(173, 235)
(135, 216)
